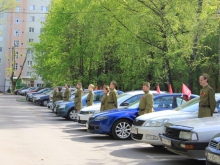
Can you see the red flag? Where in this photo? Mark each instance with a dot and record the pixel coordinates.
(186, 91)
(170, 88)
(101, 88)
(158, 89)
(96, 88)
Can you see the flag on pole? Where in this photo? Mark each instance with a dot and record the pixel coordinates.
(170, 88)
(158, 89)
(186, 90)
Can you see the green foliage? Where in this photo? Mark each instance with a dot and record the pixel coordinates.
(129, 41)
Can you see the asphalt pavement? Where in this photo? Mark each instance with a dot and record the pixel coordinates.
(33, 135)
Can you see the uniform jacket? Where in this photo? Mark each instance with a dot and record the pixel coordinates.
(66, 95)
(78, 99)
(146, 103)
(59, 96)
(55, 96)
(104, 102)
(112, 99)
(207, 102)
(90, 98)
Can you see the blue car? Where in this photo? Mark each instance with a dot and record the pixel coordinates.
(117, 122)
(29, 96)
(66, 109)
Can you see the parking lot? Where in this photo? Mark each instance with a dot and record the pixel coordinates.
(32, 134)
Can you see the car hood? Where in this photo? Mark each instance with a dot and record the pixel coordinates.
(93, 107)
(40, 95)
(116, 111)
(168, 114)
(200, 124)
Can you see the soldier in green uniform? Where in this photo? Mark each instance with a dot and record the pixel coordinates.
(113, 95)
(59, 94)
(67, 93)
(55, 95)
(78, 97)
(104, 101)
(146, 101)
(90, 96)
(207, 101)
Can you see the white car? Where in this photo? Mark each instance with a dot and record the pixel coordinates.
(190, 137)
(146, 128)
(124, 100)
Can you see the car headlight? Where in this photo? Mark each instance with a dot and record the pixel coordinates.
(99, 118)
(62, 106)
(187, 135)
(38, 98)
(155, 123)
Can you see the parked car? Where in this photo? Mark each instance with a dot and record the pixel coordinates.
(17, 90)
(24, 91)
(146, 128)
(29, 96)
(34, 90)
(213, 151)
(118, 122)
(66, 109)
(42, 99)
(190, 137)
(124, 100)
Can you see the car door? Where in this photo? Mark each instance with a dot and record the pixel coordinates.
(217, 109)
(163, 103)
(130, 101)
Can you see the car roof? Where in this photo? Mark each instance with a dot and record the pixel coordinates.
(176, 94)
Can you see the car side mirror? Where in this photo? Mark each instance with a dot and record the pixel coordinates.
(124, 104)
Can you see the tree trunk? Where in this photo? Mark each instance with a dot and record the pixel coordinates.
(219, 51)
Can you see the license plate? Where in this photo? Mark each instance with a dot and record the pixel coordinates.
(166, 142)
(213, 158)
(134, 130)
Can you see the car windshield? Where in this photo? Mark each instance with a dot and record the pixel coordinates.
(123, 97)
(41, 90)
(190, 106)
(134, 104)
(48, 91)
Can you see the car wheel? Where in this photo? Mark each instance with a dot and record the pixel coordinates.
(122, 129)
(44, 103)
(72, 114)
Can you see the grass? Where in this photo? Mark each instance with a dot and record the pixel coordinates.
(21, 100)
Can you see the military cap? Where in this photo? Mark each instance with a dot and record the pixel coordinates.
(91, 85)
(146, 84)
(114, 83)
(79, 83)
(205, 75)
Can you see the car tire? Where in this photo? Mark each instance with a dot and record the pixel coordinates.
(71, 115)
(44, 103)
(121, 129)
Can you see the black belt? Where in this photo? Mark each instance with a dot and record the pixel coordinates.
(76, 96)
(204, 106)
(142, 109)
(110, 102)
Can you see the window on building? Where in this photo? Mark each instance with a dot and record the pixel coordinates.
(1, 38)
(31, 29)
(1, 15)
(17, 20)
(16, 32)
(32, 7)
(16, 66)
(29, 63)
(41, 30)
(16, 54)
(30, 52)
(16, 43)
(31, 40)
(0, 49)
(44, 8)
(18, 9)
(28, 73)
(32, 18)
(42, 19)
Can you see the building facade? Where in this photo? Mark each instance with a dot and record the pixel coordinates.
(19, 28)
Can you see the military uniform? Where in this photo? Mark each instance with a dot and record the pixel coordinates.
(146, 102)
(207, 102)
(90, 98)
(66, 95)
(112, 99)
(104, 102)
(55, 96)
(59, 96)
(78, 99)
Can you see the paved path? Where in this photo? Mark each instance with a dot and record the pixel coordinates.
(33, 135)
